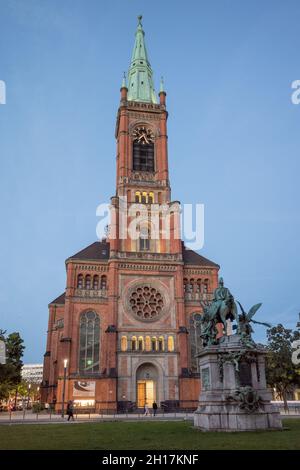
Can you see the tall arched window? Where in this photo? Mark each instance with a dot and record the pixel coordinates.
(161, 344)
(89, 342)
(153, 343)
(143, 156)
(87, 281)
(148, 343)
(103, 282)
(194, 340)
(96, 282)
(141, 343)
(80, 281)
(133, 343)
(170, 343)
(124, 343)
(144, 239)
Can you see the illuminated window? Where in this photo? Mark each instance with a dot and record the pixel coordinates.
(124, 343)
(148, 343)
(89, 342)
(151, 198)
(144, 198)
(138, 197)
(170, 343)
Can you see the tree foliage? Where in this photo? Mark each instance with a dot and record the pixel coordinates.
(281, 373)
(10, 373)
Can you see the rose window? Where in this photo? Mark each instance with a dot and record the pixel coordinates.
(146, 302)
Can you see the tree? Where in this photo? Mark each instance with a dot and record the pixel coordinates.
(281, 373)
(10, 373)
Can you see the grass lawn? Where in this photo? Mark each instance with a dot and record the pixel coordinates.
(144, 435)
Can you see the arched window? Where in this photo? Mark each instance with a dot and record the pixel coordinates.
(206, 286)
(161, 344)
(151, 198)
(103, 282)
(153, 343)
(133, 343)
(194, 340)
(96, 282)
(148, 343)
(89, 342)
(185, 285)
(124, 343)
(141, 343)
(198, 286)
(88, 281)
(137, 197)
(171, 344)
(144, 239)
(143, 156)
(80, 281)
(144, 198)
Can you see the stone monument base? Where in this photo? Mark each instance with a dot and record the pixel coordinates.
(220, 418)
(234, 395)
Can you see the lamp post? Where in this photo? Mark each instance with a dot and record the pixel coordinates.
(29, 387)
(64, 388)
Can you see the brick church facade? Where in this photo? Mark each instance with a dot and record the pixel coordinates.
(125, 331)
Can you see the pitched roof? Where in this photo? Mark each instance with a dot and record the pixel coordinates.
(96, 251)
(191, 257)
(59, 300)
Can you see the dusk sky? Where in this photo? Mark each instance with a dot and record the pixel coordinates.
(233, 133)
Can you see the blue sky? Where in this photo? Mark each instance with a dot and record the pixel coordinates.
(233, 140)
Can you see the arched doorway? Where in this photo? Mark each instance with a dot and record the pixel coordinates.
(146, 385)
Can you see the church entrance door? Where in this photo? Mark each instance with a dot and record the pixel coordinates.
(146, 393)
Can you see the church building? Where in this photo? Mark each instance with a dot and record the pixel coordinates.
(125, 331)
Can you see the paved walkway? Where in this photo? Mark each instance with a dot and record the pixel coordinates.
(19, 417)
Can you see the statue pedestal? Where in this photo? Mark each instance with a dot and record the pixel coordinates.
(234, 395)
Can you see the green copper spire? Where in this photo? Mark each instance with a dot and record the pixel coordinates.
(140, 82)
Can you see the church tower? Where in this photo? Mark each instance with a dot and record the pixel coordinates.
(126, 330)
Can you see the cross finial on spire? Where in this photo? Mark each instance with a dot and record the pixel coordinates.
(140, 17)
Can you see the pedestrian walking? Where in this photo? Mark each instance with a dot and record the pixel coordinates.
(154, 406)
(147, 412)
(70, 410)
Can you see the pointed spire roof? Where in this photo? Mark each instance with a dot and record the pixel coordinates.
(140, 81)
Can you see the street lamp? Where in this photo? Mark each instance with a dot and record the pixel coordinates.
(64, 388)
(29, 387)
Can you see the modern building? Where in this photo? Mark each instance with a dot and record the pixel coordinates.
(32, 373)
(124, 332)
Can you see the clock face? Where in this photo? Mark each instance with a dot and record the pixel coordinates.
(143, 135)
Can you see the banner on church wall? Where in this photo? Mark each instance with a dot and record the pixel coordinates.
(84, 389)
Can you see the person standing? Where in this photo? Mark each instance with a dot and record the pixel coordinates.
(70, 410)
(147, 412)
(154, 406)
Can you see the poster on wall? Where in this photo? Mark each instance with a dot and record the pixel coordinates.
(83, 389)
